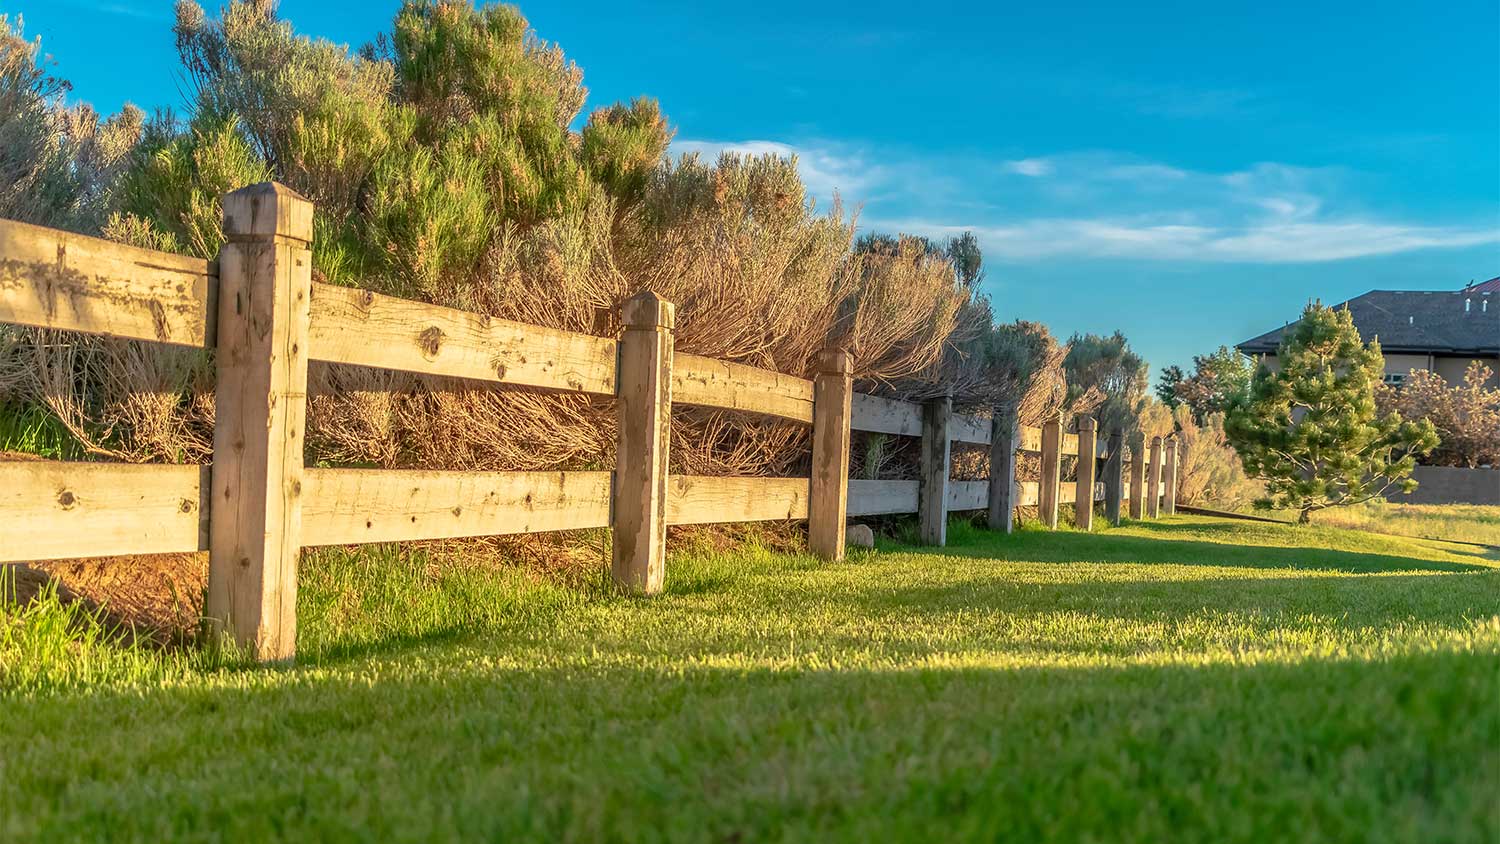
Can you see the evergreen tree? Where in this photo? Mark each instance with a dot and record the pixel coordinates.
(1310, 428)
(1166, 385)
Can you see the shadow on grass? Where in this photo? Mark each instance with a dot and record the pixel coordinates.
(586, 750)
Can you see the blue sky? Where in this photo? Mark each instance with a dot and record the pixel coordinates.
(1188, 173)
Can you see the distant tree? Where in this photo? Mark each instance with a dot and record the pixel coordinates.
(1105, 377)
(1218, 381)
(1467, 415)
(1166, 384)
(1310, 429)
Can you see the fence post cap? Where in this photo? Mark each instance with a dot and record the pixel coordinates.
(647, 310)
(1087, 423)
(1156, 441)
(835, 362)
(268, 209)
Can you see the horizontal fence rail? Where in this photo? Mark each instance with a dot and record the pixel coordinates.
(257, 505)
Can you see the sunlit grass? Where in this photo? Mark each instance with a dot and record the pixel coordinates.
(1461, 522)
(1188, 679)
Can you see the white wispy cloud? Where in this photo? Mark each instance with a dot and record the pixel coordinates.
(1143, 239)
(1110, 205)
(1032, 167)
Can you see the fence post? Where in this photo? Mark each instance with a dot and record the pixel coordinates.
(1138, 476)
(828, 498)
(1169, 495)
(1153, 482)
(255, 518)
(645, 420)
(1004, 431)
(1083, 501)
(1114, 477)
(933, 501)
(1051, 478)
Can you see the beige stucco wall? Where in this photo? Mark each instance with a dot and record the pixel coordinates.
(1402, 364)
(1452, 369)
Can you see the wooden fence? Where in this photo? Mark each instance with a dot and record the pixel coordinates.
(257, 505)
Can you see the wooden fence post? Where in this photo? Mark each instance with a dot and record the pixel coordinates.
(1088, 465)
(1138, 476)
(1051, 479)
(828, 497)
(645, 422)
(255, 516)
(933, 501)
(1169, 495)
(1153, 481)
(1114, 477)
(1004, 433)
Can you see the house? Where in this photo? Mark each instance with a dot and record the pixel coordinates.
(1435, 330)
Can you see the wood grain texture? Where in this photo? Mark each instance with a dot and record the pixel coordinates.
(56, 279)
(880, 498)
(58, 510)
(1153, 480)
(734, 386)
(937, 447)
(970, 429)
(260, 416)
(968, 495)
(1030, 439)
(638, 560)
(351, 506)
(1135, 492)
(370, 329)
(828, 501)
(697, 500)
(1051, 474)
(1114, 478)
(886, 416)
(1088, 466)
(1169, 476)
(1004, 441)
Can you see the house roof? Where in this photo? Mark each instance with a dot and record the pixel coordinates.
(1421, 321)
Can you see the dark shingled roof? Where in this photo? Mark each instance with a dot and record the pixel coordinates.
(1418, 321)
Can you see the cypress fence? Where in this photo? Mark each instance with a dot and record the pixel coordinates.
(257, 506)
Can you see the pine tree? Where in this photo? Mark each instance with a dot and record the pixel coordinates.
(1310, 429)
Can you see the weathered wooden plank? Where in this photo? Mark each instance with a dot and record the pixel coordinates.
(829, 485)
(644, 409)
(1051, 476)
(936, 466)
(58, 510)
(1028, 493)
(734, 386)
(260, 415)
(970, 429)
(968, 495)
(56, 279)
(1030, 439)
(1136, 489)
(370, 329)
(350, 506)
(1088, 465)
(879, 498)
(696, 500)
(1154, 482)
(1005, 436)
(1069, 444)
(886, 416)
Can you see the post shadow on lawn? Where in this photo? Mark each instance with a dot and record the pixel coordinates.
(1113, 547)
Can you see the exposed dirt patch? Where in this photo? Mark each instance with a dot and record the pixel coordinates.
(159, 596)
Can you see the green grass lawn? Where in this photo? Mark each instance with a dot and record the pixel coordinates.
(1462, 522)
(1189, 679)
